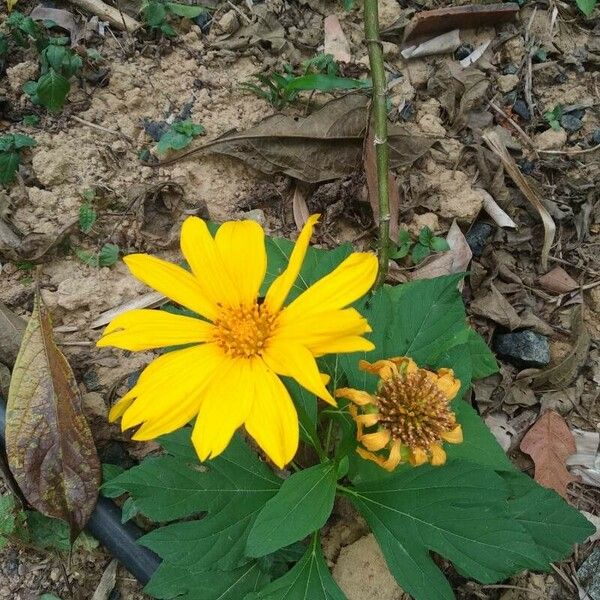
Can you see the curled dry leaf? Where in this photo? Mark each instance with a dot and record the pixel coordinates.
(50, 448)
(326, 145)
(549, 443)
(492, 139)
(302, 191)
(148, 300)
(63, 18)
(11, 333)
(455, 260)
(492, 208)
(496, 307)
(558, 280)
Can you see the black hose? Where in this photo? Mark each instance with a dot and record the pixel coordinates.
(118, 538)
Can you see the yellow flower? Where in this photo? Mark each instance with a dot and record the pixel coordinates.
(229, 376)
(409, 414)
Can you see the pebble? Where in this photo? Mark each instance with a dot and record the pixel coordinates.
(523, 348)
(551, 139)
(204, 21)
(526, 166)
(257, 215)
(570, 122)
(229, 23)
(155, 129)
(510, 69)
(507, 83)
(478, 236)
(596, 137)
(463, 51)
(589, 575)
(521, 108)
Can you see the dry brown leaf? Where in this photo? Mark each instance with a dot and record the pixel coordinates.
(455, 260)
(63, 18)
(49, 444)
(563, 374)
(496, 307)
(558, 280)
(107, 582)
(336, 43)
(549, 443)
(497, 146)
(148, 300)
(302, 192)
(326, 145)
(11, 333)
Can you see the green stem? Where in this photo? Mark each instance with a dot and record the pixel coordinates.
(379, 124)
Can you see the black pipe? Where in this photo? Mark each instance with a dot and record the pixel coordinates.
(106, 526)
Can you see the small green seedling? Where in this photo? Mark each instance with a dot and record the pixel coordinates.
(587, 7)
(553, 116)
(87, 213)
(30, 121)
(3, 46)
(108, 256)
(179, 136)
(426, 244)
(11, 146)
(24, 31)
(157, 15)
(320, 73)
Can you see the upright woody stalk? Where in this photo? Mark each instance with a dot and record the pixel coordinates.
(379, 125)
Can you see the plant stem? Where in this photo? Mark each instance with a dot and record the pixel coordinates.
(379, 124)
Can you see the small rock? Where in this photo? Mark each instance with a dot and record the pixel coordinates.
(526, 166)
(551, 139)
(257, 215)
(425, 220)
(589, 575)
(596, 137)
(228, 23)
(390, 50)
(478, 236)
(463, 51)
(507, 83)
(389, 12)
(510, 69)
(521, 108)
(570, 122)
(204, 21)
(523, 348)
(155, 129)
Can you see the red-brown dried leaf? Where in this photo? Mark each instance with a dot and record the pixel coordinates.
(550, 442)
(50, 448)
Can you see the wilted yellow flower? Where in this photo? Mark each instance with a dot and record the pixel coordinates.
(229, 376)
(409, 415)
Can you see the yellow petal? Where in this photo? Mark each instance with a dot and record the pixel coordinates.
(293, 360)
(172, 281)
(378, 460)
(447, 383)
(453, 437)
(347, 344)
(376, 441)
(348, 282)
(418, 457)
(241, 245)
(382, 368)
(405, 364)
(146, 329)
(394, 458)
(205, 260)
(357, 396)
(168, 393)
(367, 420)
(438, 456)
(273, 421)
(225, 407)
(280, 288)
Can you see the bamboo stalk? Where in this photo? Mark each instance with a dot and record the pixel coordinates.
(379, 124)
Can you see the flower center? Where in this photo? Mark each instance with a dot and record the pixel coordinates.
(414, 410)
(243, 331)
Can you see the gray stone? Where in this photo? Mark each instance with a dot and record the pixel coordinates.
(521, 108)
(523, 348)
(589, 575)
(570, 122)
(478, 236)
(596, 137)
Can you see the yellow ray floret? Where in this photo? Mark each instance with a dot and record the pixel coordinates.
(409, 415)
(228, 376)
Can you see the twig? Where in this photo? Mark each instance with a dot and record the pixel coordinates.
(100, 128)
(571, 152)
(517, 127)
(379, 114)
(105, 12)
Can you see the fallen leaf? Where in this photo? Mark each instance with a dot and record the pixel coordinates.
(370, 165)
(475, 55)
(446, 43)
(336, 43)
(492, 208)
(326, 145)
(595, 521)
(549, 443)
(492, 139)
(496, 307)
(107, 582)
(563, 374)
(50, 448)
(501, 429)
(558, 280)
(302, 191)
(11, 333)
(147, 300)
(63, 18)
(455, 260)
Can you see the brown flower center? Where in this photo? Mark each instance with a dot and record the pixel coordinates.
(414, 410)
(243, 331)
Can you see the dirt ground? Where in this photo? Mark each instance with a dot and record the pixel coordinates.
(94, 143)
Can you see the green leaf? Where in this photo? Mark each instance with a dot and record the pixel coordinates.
(185, 10)
(171, 581)
(587, 6)
(31, 120)
(310, 579)
(87, 217)
(178, 136)
(86, 256)
(483, 361)
(233, 491)
(419, 252)
(425, 236)
(348, 4)
(52, 90)
(108, 256)
(3, 46)
(23, 141)
(189, 128)
(49, 597)
(302, 505)
(9, 164)
(325, 83)
(154, 14)
(438, 244)
(458, 511)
